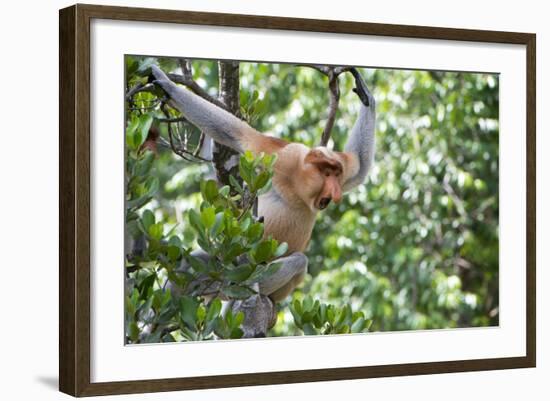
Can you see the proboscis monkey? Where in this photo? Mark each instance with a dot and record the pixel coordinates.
(305, 180)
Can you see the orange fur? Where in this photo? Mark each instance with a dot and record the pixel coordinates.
(257, 143)
(302, 177)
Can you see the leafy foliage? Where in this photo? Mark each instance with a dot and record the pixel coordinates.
(414, 248)
(314, 317)
(224, 228)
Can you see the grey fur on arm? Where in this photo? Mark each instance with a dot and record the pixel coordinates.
(219, 124)
(361, 141)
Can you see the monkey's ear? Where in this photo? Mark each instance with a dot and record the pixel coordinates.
(322, 161)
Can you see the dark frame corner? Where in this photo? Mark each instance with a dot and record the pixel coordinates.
(74, 199)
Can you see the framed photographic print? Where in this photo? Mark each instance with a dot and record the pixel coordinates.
(296, 200)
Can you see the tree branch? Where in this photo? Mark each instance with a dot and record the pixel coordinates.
(181, 151)
(139, 87)
(332, 107)
(332, 73)
(226, 159)
(187, 79)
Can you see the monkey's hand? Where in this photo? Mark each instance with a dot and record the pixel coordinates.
(361, 89)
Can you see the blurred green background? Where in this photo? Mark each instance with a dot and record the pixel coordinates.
(416, 246)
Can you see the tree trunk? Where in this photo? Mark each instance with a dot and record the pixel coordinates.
(258, 309)
(226, 160)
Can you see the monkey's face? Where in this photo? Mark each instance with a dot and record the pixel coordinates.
(324, 178)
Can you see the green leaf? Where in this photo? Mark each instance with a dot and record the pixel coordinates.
(237, 292)
(255, 232)
(146, 284)
(209, 190)
(201, 313)
(129, 306)
(330, 314)
(269, 160)
(246, 170)
(214, 309)
(144, 165)
(195, 220)
(358, 325)
(281, 250)
(208, 216)
(235, 184)
(148, 219)
(263, 252)
(151, 185)
(197, 264)
(309, 330)
(133, 331)
(344, 329)
(238, 274)
(188, 310)
(262, 272)
(139, 202)
(175, 241)
(155, 231)
(173, 252)
(234, 250)
(225, 190)
(140, 135)
(218, 224)
(307, 303)
(260, 181)
(130, 133)
(249, 156)
(239, 319)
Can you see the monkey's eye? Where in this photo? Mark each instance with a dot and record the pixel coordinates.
(327, 173)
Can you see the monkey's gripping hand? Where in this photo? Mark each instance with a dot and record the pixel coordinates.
(361, 89)
(214, 121)
(361, 142)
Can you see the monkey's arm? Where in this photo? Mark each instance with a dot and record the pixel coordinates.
(359, 149)
(219, 124)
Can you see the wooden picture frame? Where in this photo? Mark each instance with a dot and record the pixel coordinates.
(75, 204)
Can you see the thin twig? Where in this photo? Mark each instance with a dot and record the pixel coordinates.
(168, 330)
(186, 78)
(332, 107)
(173, 120)
(323, 69)
(152, 106)
(139, 87)
(247, 207)
(332, 73)
(180, 151)
(199, 146)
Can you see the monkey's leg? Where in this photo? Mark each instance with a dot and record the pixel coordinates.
(280, 284)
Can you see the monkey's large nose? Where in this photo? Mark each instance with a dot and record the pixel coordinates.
(323, 203)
